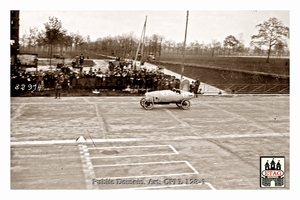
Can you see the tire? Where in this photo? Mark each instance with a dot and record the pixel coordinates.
(178, 105)
(185, 104)
(142, 101)
(148, 105)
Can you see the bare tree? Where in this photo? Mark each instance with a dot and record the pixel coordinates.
(230, 42)
(257, 50)
(53, 33)
(215, 46)
(78, 40)
(270, 33)
(153, 44)
(67, 41)
(32, 37)
(23, 41)
(167, 44)
(240, 46)
(279, 48)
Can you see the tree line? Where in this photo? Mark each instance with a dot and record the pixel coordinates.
(271, 40)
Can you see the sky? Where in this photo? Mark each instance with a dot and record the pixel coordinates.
(203, 25)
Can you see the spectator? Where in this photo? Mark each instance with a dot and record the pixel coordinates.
(172, 82)
(141, 79)
(58, 86)
(74, 63)
(197, 84)
(177, 83)
(81, 59)
(40, 78)
(192, 86)
(18, 64)
(77, 59)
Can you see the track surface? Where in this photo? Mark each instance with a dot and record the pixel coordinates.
(73, 142)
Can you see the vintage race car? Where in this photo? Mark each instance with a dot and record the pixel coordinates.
(179, 97)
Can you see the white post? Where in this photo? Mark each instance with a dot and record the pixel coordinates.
(183, 54)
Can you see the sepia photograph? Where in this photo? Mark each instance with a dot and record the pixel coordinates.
(150, 99)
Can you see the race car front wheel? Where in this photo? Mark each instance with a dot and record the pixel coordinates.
(185, 104)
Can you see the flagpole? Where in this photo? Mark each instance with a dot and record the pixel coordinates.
(141, 39)
(183, 54)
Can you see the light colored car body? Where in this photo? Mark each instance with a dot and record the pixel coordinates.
(179, 97)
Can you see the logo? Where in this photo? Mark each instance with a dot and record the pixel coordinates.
(272, 173)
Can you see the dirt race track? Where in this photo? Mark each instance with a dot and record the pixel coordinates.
(113, 143)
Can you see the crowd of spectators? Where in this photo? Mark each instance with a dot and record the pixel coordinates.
(134, 77)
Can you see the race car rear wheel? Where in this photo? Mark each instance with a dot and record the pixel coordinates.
(178, 104)
(142, 101)
(185, 104)
(148, 105)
